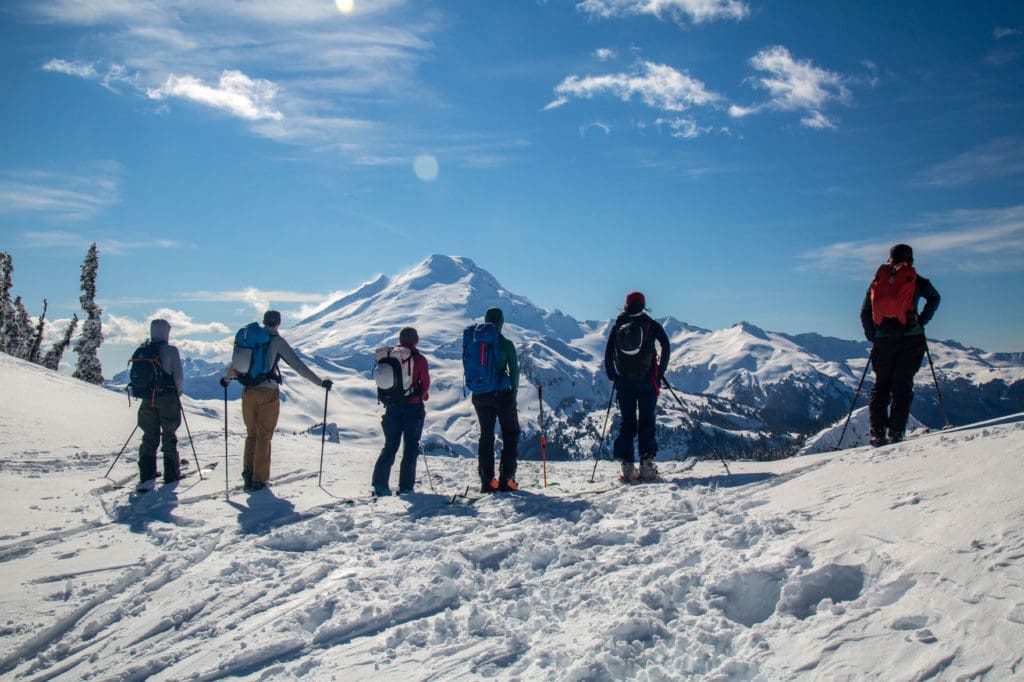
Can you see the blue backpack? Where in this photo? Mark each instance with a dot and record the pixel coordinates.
(480, 359)
(251, 357)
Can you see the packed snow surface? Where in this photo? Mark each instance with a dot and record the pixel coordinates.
(904, 562)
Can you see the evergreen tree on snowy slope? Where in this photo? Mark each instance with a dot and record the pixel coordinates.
(37, 340)
(21, 342)
(87, 346)
(7, 316)
(53, 356)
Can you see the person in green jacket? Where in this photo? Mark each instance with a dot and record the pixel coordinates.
(500, 406)
(891, 322)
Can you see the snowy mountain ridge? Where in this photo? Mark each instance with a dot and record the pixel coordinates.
(755, 391)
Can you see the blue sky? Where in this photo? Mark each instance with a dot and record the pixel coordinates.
(733, 160)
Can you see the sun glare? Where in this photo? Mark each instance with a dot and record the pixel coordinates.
(426, 168)
(345, 6)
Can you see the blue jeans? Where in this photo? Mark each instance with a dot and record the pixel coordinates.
(401, 423)
(637, 399)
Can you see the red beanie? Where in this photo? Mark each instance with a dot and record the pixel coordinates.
(635, 302)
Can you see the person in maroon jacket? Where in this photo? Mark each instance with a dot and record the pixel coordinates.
(404, 422)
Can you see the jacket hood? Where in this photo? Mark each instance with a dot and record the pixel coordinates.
(160, 330)
(495, 317)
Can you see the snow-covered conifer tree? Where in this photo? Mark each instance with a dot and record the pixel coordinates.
(88, 344)
(52, 358)
(21, 337)
(37, 339)
(7, 316)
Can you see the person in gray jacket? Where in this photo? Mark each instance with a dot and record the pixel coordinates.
(160, 407)
(261, 403)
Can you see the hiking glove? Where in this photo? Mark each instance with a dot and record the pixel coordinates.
(327, 383)
(224, 381)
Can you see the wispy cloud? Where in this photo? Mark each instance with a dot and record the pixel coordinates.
(59, 239)
(995, 160)
(1001, 32)
(604, 54)
(985, 240)
(235, 93)
(657, 85)
(67, 195)
(79, 69)
(300, 72)
(684, 128)
(795, 85)
(695, 11)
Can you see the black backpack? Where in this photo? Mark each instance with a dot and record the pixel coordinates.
(634, 348)
(146, 375)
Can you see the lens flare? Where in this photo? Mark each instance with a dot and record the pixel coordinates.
(425, 167)
(345, 6)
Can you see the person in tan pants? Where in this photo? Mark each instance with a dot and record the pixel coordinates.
(261, 401)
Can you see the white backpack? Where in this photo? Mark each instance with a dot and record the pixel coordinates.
(392, 371)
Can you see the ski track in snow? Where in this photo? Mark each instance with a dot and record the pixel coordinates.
(864, 563)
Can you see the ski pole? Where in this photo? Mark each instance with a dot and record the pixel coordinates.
(604, 430)
(190, 441)
(226, 484)
(106, 475)
(323, 439)
(430, 477)
(543, 439)
(696, 425)
(936, 379)
(855, 396)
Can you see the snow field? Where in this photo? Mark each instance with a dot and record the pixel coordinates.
(897, 563)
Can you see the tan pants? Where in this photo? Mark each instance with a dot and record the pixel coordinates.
(260, 409)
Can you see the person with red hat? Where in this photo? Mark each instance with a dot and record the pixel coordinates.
(635, 368)
(896, 330)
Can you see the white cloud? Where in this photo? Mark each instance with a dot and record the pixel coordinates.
(258, 300)
(796, 85)
(78, 195)
(737, 111)
(325, 65)
(995, 160)
(683, 128)
(118, 330)
(697, 11)
(1001, 32)
(982, 240)
(79, 69)
(657, 85)
(603, 127)
(604, 54)
(235, 93)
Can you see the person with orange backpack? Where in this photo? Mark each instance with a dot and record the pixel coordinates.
(896, 330)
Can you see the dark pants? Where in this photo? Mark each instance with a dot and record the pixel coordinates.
(401, 423)
(637, 399)
(501, 407)
(159, 419)
(895, 360)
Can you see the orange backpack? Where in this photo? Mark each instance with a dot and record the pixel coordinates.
(892, 292)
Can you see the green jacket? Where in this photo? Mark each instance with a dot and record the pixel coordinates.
(508, 358)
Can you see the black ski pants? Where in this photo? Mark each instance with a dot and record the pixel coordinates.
(159, 419)
(499, 406)
(400, 423)
(895, 360)
(637, 399)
